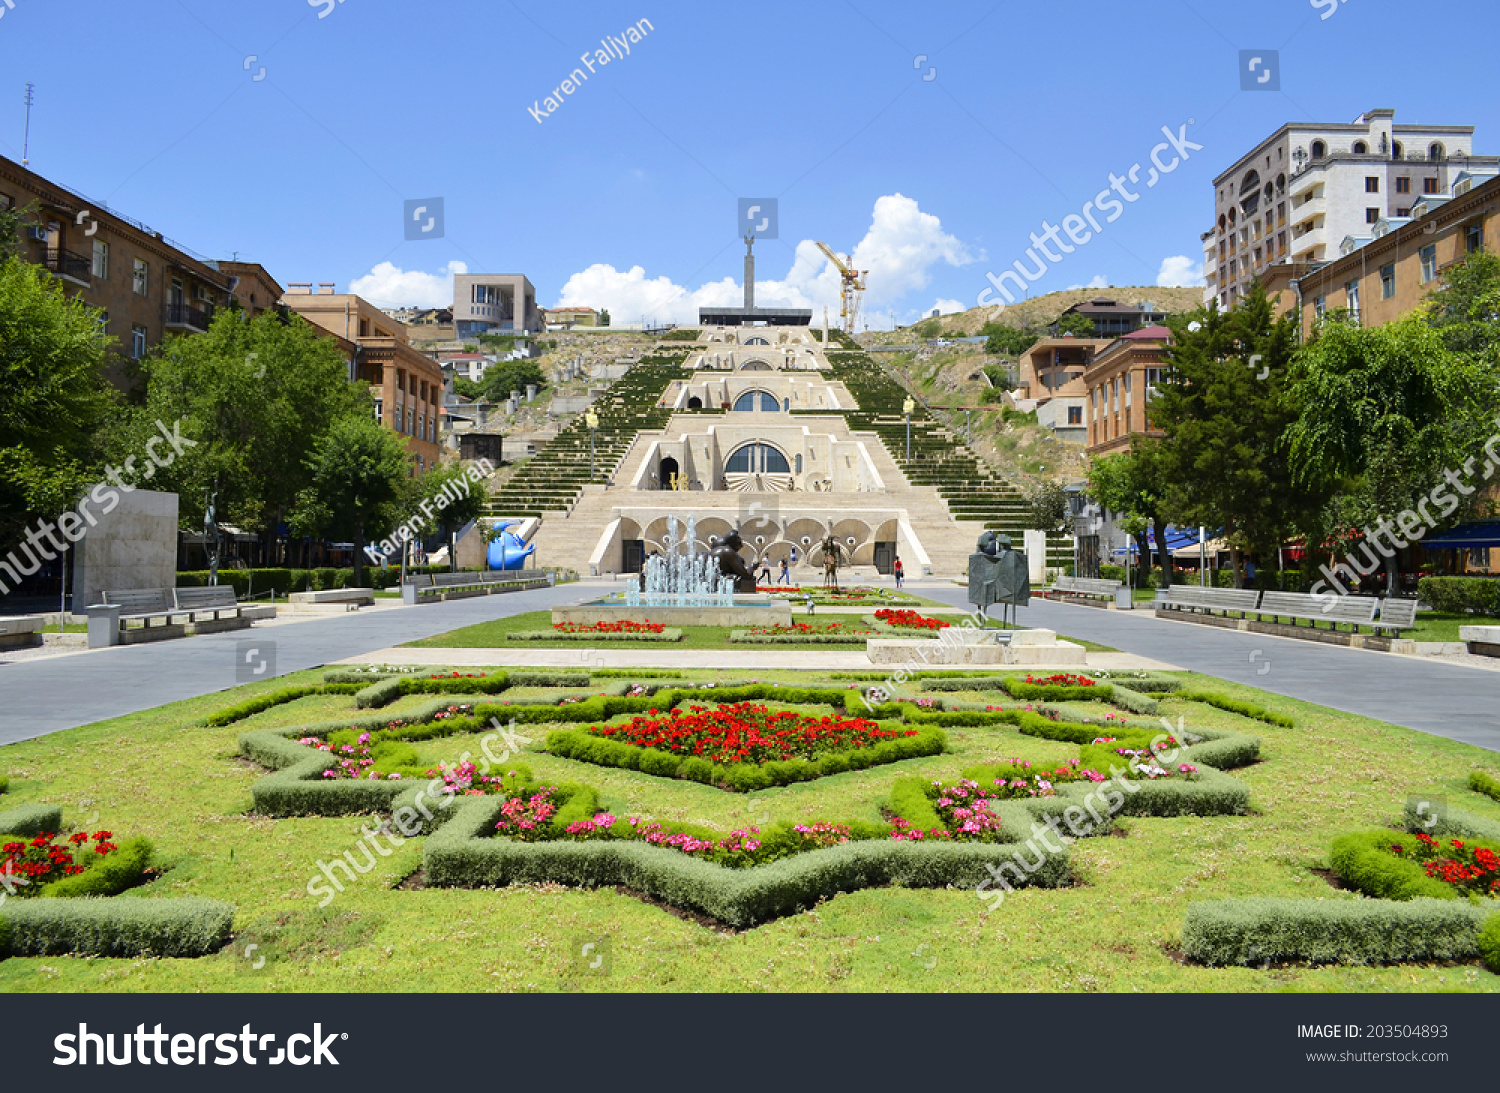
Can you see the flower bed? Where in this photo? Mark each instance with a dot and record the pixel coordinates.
(906, 619)
(747, 732)
(621, 626)
(1401, 866)
(666, 633)
(801, 633)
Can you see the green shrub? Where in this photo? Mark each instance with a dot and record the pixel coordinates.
(1056, 692)
(544, 678)
(116, 927)
(1144, 682)
(1482, 782)
(1331, 931)
(635, 673)
(380, 693)
(1134, 701)
(252, 706)
(1234, 705)
(745, 637)
(1461, 595)
(31, 820)
(909, 800)
(966, 683)
(1448, 822)
(461, 855)
(1365, 862)
(4, 783)
(122, 868)
(1489, 943)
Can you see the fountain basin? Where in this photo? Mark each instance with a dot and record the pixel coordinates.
(962, 646)
(760, 609)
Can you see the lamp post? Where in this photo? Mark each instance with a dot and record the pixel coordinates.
(591, 419)
(907, 407)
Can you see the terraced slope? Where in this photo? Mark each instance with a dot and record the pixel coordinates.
(552, 481)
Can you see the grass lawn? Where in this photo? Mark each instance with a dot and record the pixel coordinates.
(1438, 626)
(163, 775)
(491, 635)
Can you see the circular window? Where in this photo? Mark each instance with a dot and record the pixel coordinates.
(806, 540)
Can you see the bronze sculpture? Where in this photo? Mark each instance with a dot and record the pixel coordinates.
(726, 555)
(998, 574)
(833, 557)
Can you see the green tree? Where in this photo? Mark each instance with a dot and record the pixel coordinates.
(12, 222)
(1224, 412)
(56, 397)
(604, 317)
(929, 328)
(1007, 341)
(1131, 483)
(455, 499)
(1080, 326)
(359, 472)
(257, 397)
(1384, 412)
(1047, 507)
(1466, 308)
(502, 378)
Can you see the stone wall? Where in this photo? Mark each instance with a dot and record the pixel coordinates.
(134, 545)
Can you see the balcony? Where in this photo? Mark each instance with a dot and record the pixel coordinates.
(68, 266)
(184, 316)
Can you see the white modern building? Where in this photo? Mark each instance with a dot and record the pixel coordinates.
(1307, 187)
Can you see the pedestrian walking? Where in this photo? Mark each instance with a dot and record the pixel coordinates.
(900, 572)
(786, 574)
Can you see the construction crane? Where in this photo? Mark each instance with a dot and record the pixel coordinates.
(854, 284)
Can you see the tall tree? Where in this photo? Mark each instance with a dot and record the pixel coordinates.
(55, 396)
(1385, 411)
(1466, 306)
(455, 499)
(1080, 326)
(1131, 483)
(257, 397)
(358, 468)
(1224, 411)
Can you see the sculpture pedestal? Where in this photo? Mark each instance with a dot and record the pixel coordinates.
(973, 647)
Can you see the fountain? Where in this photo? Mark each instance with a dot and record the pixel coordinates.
(681, 588)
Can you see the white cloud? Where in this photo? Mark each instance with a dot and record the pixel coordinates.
(898, 251)
(945, 307)
(1098, 282)
(1179, 271)
(387, 285)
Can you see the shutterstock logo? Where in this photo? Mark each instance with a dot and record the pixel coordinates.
(229, 1048)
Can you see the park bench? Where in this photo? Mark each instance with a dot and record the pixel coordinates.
(1195, 599)
(1356, 611)
(436, 587)
(1483, 641)
(213, 608)
(1090, 588)
(153, 608)
(1397, 615)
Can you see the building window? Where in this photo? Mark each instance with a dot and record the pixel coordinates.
(1360, 147)
(1372, 184)
(1075, 415)
(1319, 149)
(140, 280)
(101, 260)
(1429, 262)
(757, 459)
(1351, 293)
(1320, 305)
(1403, 184)
(1388, 280)
(102, 318)
(1372, 215)
(137, 341)
(380, 411)
(1404, 211)
(1473, 238)
(1429, 185)
(1435, 151)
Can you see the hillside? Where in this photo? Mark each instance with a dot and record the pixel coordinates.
(1041, 310)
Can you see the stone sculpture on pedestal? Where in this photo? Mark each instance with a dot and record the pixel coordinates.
(998, 574)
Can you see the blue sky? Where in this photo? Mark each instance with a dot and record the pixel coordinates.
(150, 107)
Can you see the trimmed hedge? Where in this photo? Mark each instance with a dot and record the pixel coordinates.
(31, 820)
(1338, 931)
(1234, 705)
(121, 869)
(1364, 861)
(115, 927)
(745, 637)
(1489, 943)
(963, 683)
(1482, 782)
(1144, 682)
(386, 691)
(1134, 701)
(460, 855)
(585, 747)
(671, 633)
(1449, 823)
(1461, 595)
(635, 673)
(252, 706)
(4, 783)
(1056, 692)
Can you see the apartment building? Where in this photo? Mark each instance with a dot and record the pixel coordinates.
(1120, 381)
(565, 318)
(1387, 273)
(1050, 381)
(494, 303)
(1298, 194)
(407, 385)
(145, 285)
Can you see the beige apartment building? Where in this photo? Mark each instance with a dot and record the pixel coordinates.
(1120, 381)
(1298, 194)
(407, 385)
(1388, 273)
(494, 303)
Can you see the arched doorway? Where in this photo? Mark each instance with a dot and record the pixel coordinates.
(757, 400)
(695, 403)
(757, 467)
(669, 467)
(757, 340)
